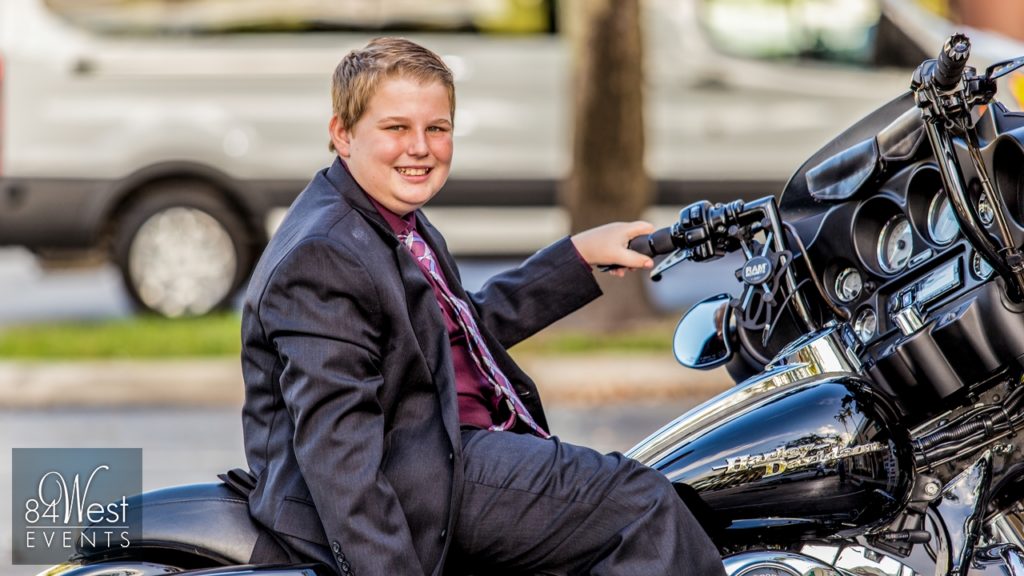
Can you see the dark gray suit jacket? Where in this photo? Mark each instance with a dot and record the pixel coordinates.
(350, 419)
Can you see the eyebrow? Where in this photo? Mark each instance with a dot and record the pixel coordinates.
(405, 120)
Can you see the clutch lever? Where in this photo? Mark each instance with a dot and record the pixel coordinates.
(1000, 69)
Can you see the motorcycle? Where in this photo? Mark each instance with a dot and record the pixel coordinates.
(878, 341)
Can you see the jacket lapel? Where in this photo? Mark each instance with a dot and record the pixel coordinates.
(424, 313)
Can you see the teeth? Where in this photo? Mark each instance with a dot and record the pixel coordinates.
(412, 171)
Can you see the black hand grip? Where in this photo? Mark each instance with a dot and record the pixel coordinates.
(657, 243)
(951, 62)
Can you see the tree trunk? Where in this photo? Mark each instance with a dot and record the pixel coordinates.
(608, 182)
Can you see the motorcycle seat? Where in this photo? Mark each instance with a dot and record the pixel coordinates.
(209, 520)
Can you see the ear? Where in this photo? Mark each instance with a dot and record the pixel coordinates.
(340, 137)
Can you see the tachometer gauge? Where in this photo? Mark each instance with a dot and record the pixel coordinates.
(942, 225)
(865, 325)
(848, 285)
(895, 244)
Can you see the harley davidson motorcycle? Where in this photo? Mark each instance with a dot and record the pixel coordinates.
(878, 424)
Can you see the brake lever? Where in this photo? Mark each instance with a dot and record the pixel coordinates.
(680, 255)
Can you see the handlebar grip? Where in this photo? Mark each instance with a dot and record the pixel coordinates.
(949, 67)
(657, 243)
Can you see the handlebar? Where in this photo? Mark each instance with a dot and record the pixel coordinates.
(949, 67)
(655, 244)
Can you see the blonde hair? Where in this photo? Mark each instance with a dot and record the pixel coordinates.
(361, 71)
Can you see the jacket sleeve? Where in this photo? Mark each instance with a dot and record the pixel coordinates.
(548, 286)
(321, 312)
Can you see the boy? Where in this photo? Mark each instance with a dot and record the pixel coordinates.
(386, 425)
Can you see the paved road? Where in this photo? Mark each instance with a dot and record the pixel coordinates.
(184, 446)
(30, 293)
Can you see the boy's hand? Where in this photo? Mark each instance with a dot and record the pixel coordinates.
(606, 246)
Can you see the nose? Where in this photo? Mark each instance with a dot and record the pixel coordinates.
(417, 145)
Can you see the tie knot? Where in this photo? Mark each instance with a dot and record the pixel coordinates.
(414, 243)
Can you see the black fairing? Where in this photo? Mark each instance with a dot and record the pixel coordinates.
(817, 456)
(796, 200)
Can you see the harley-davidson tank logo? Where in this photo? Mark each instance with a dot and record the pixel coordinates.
(791, 459)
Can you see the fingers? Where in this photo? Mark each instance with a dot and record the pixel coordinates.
(607, 245)
(637, 228)
(630, 258)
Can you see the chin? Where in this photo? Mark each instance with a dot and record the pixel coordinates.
(418, 199)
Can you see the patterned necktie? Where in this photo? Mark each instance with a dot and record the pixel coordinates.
(478, 349)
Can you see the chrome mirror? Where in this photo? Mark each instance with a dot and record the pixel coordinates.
(703, 336)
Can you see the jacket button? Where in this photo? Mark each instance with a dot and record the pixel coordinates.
(451, 456)
(444, 532)
(335, 547)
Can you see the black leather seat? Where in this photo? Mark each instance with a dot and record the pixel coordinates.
(210, 521)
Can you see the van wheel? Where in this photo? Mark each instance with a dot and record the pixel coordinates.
(181, 250)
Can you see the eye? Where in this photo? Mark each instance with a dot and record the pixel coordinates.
(438, 129)
(395, 127)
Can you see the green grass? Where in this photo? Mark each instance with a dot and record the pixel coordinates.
(140, 337)
(148, 337)
(653, 337)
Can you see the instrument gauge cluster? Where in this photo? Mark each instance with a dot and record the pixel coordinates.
(895, 244)
(942, 225)
(899, 244)
(849, 285)
(865, 325)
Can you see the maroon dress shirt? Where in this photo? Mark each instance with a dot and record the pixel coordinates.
(477, 402)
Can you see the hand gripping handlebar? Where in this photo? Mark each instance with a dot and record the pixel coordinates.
(655, 244)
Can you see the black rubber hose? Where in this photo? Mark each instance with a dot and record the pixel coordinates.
(949, 67)
(1006, 422)
(975, 421)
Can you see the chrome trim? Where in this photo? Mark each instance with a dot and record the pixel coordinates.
(980, 269)
(802, 362)
(1008, 527)
(118, 568)
(132, 568)
(750, 391)
(859, 325)
(961, 509)
(1007, 556)
(831, 349)
(1014, 560)
(793, 563)
(908, 320)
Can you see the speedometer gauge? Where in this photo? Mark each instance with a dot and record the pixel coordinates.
(895, 244)
(942, 225)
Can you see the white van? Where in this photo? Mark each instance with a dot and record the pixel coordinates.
(172, 134)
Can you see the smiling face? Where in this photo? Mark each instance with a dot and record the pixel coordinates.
(400, 149)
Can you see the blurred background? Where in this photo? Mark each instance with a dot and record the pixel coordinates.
(148, 149)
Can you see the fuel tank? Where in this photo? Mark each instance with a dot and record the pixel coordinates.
(805, 447)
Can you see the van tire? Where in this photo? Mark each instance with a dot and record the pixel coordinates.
(181, 249)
